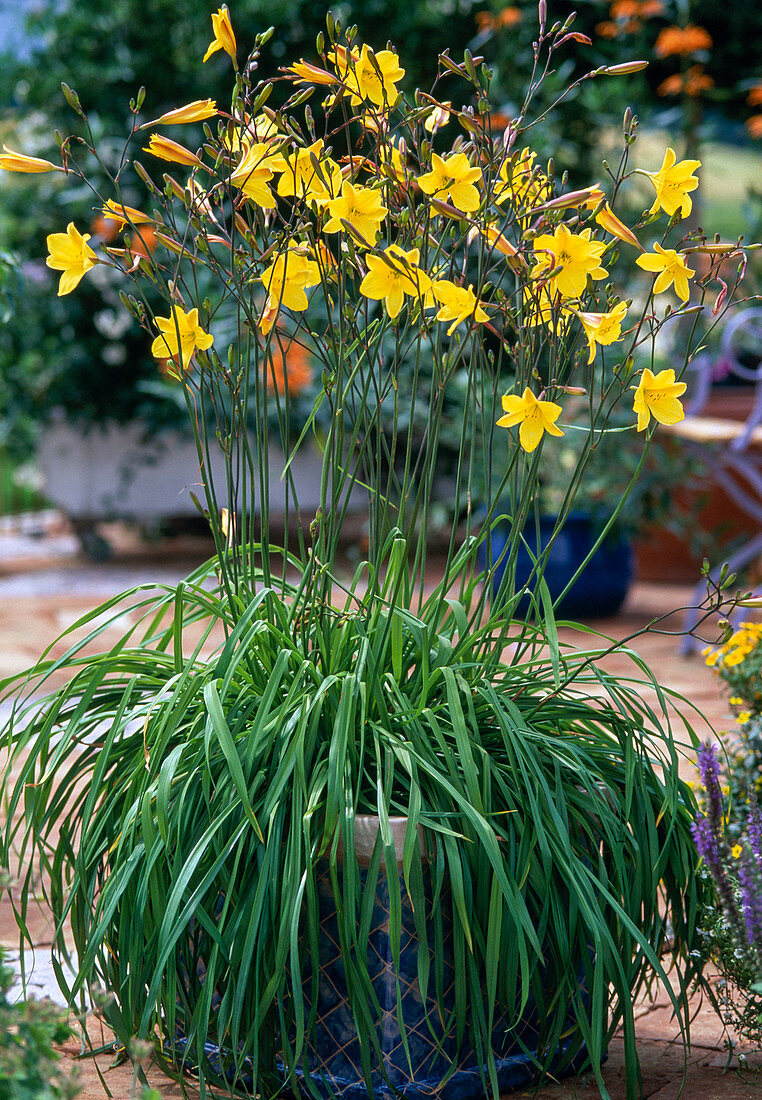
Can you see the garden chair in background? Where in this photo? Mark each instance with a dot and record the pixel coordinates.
(736, 444)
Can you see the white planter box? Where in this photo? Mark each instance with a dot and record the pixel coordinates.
(117, 472)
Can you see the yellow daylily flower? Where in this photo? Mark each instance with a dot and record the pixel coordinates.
(70, 253)
(543, 306)
(118, 212)
(534, 417)
(607, 219)
(166, 149)
(736, 851)
(394, 276)
(300, 178)
(237, 139)
(457, 304)
(254, 172)
(438, 117)
(657, 396)
(602, 328)
(196, 111)
(519, 181)
(497, 240)
(286, 281)
(453, 177)
(575, 253)
(224, 39)
(20, 162)
(180, 336)
(361, 208)
(671, 268)
(672, 183)
(370, 76)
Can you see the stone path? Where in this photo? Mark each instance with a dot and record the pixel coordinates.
(44, 586)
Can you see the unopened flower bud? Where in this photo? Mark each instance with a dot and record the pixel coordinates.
(624, 69)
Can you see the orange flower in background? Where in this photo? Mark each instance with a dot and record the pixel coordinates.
(754, 126)
(754, 98)
(627, 16)
(288, 373)
(625, 9)
(609, 30)
(144, 244)
(673, 85)
(104, 228)
(507, 17)
(682, 41)
(692, 83)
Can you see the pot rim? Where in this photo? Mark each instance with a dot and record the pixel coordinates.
(365, 833)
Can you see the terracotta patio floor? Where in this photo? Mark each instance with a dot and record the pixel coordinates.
(44, 586)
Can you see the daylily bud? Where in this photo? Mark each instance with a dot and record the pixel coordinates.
(169, 243)
(562, 202)
(624, 69)
(575, 36)
(140, 170)
(719, 247)
(72, 99)
(241, 226)
(174, 187)
(447, 210)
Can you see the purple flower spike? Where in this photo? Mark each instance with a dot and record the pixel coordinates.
(754, 828)
(751, 903)
(709, 770)
(706, 843)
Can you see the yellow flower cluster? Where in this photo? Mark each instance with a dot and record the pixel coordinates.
(339, 223)
(737, 648)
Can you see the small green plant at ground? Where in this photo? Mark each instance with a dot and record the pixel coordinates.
(30, 1068)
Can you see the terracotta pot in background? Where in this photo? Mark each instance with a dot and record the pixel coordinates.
(663, 556)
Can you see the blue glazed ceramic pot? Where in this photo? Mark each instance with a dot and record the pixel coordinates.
(601, 588)
(332, 1061)
(334, 1056)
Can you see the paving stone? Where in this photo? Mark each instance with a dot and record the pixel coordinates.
(39, 976)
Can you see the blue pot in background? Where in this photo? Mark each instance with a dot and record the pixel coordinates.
(600, 589)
